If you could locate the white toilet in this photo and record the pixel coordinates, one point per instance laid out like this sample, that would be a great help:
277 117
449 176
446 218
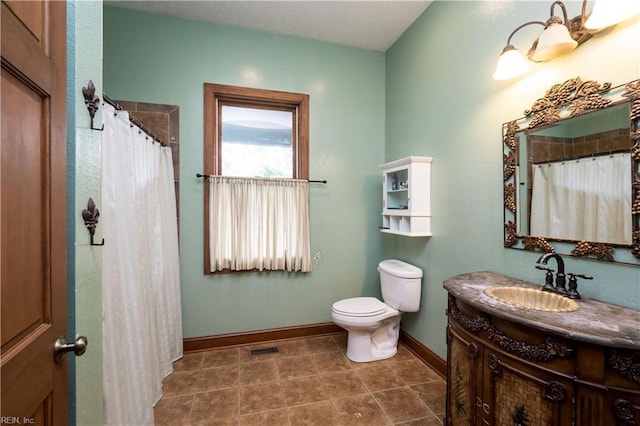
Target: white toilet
374 326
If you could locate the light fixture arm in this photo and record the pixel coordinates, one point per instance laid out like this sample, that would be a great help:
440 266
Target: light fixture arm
583 14
576 26
522 26
554 19
578 29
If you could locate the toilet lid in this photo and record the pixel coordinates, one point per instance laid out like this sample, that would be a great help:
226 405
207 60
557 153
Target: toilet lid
360 307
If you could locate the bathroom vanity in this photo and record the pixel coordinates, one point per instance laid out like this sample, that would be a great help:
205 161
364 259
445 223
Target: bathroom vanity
514 365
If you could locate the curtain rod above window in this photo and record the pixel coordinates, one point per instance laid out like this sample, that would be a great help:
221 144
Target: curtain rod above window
199 175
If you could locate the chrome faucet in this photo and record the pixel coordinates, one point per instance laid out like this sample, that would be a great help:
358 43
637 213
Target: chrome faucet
561 281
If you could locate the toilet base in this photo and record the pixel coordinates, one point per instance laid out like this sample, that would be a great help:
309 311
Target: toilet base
366 345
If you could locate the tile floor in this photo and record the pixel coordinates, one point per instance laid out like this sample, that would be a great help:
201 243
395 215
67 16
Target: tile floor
309 382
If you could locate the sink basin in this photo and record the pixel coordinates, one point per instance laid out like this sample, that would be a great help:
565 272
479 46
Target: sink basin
531 298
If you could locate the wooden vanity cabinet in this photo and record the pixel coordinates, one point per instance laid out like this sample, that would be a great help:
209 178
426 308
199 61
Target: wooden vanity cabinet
494 378
509 366
502 373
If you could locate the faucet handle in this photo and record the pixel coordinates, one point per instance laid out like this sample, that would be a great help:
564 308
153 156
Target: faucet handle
583 276
572 293
548 281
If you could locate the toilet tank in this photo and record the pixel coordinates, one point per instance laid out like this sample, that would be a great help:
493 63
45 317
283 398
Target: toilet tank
401 284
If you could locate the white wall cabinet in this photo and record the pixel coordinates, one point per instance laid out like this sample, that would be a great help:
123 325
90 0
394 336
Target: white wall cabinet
406 197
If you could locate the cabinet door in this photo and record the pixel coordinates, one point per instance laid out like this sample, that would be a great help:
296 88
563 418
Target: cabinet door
598 405
521 394
464 358
590 402
622 378
396 191
622 408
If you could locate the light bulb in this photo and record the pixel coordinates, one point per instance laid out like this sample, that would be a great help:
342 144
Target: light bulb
511 64
606 13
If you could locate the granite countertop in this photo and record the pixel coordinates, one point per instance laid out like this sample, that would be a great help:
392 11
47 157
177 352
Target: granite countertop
594 321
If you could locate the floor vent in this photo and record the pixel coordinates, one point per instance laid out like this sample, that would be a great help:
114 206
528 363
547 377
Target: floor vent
262 351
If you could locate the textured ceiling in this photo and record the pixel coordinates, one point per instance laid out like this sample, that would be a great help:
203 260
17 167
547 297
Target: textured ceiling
367 24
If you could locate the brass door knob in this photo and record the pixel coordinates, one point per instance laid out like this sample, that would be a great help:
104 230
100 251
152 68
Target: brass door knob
61 347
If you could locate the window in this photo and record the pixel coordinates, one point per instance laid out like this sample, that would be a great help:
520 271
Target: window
255 133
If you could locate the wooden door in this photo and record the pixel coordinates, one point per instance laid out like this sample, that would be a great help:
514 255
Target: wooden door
33 211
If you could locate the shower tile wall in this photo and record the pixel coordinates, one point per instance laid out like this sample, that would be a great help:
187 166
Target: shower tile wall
543 149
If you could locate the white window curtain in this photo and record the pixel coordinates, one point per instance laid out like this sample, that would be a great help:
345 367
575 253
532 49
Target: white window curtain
141 308
259 224
583 200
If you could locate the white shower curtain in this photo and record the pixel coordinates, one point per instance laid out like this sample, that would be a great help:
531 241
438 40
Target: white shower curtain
141 309
587 199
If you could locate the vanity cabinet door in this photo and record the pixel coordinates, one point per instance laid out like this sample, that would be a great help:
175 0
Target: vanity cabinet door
598 405
607 386
590 405
521 394
623 408
622 378
464 378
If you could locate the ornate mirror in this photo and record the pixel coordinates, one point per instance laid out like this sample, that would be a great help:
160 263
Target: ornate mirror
572 173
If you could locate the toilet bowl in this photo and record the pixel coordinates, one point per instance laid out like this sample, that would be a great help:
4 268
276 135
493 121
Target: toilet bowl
374 326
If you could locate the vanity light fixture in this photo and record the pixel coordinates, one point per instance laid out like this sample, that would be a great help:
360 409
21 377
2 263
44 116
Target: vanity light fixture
561 35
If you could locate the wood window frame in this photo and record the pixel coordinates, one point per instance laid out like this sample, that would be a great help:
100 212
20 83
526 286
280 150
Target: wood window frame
216 95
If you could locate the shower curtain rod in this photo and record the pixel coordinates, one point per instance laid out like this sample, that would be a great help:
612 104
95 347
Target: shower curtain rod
199 175
92 101
132 119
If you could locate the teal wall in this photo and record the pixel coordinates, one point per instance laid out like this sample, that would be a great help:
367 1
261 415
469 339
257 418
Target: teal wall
431 94
84 51
152 58
441 101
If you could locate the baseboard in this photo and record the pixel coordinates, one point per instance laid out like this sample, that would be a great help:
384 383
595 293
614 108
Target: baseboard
196 344
425 354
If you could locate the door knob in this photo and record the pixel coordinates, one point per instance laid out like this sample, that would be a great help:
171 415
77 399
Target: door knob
61 347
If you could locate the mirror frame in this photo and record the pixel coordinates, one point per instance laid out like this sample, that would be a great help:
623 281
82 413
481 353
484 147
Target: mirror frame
572 98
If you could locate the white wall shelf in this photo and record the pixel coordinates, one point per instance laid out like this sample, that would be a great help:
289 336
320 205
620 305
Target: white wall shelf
406 197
